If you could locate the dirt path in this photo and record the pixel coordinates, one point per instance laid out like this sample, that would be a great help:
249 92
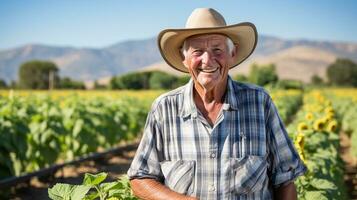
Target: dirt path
115 165
350 176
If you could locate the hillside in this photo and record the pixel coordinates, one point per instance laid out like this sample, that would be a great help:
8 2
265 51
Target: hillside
296 59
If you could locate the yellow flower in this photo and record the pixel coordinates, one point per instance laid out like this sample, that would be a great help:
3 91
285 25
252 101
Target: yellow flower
301 153
319 124
328 103
328 117
329 109
332 126
302 126
299 143
300 139
330 113
309 116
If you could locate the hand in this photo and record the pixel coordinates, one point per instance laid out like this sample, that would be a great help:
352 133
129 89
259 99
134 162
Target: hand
150 189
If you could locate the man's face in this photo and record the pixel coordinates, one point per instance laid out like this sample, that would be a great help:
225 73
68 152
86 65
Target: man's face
207 59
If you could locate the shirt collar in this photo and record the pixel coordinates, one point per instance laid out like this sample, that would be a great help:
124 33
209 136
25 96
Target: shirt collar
231 98
189 107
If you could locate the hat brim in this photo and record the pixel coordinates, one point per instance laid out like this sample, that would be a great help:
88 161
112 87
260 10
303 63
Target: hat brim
170 42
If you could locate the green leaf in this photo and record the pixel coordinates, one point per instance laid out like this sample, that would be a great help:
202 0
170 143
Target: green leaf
77 127
323 184
108 186
60 191
118 193
79 191
91 196
320 195
113 198
17 167
94 179
43 126
45 136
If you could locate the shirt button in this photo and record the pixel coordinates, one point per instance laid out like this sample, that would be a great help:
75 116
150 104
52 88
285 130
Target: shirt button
213 155
212 188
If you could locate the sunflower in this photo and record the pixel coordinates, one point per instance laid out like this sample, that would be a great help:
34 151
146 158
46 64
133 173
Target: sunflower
299 144
329 110
302 126
301 153
309 116
300 139
332 126
329 117
319 124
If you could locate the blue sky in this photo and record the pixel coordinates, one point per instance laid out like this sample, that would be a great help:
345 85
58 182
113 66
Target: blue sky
95 23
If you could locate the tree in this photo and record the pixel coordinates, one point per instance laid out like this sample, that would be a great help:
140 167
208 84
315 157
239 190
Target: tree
342 72
38 74
316 80
240 78
3 84
98 86
182 80
68 83
162 80
263 75
133 80
147 80
289 84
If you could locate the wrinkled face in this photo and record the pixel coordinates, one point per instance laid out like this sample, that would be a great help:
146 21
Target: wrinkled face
207 58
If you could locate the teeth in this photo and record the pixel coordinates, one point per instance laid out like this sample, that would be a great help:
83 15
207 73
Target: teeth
209 71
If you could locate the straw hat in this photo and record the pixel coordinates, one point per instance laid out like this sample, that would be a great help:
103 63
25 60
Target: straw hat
204 21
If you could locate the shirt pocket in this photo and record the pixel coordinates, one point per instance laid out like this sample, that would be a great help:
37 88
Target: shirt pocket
179 175
249 174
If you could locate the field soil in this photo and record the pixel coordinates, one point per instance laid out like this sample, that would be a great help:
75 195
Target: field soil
350 176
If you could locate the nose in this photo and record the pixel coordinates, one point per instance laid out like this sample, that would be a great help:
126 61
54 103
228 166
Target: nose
207 58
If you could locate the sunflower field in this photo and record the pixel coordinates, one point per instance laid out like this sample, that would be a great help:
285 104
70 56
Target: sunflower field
315 135
39 129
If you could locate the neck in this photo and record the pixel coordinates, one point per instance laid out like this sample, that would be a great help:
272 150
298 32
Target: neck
210 102
211 95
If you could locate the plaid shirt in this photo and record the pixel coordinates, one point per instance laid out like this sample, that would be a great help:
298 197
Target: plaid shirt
243 156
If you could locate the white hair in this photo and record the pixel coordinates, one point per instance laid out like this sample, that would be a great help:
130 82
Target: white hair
229 43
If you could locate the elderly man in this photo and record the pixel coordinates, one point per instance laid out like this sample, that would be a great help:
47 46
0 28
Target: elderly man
213 138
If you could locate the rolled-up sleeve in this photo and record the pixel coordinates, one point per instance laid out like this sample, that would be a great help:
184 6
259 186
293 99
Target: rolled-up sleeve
284 161
146 163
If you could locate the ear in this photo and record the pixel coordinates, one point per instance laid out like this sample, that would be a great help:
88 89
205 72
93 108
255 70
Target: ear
184 63
234 52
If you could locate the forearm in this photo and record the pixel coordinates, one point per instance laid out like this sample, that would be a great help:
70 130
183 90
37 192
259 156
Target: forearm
150 189
286 192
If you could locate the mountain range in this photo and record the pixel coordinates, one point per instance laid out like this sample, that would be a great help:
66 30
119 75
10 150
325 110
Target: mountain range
294 59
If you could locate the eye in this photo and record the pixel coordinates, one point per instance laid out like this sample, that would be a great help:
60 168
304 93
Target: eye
197 52
217 51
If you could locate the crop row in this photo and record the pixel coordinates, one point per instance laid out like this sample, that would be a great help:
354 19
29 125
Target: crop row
38 131
345 102
315 135
287 102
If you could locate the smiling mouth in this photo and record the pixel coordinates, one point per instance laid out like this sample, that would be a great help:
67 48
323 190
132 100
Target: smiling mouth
209 70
